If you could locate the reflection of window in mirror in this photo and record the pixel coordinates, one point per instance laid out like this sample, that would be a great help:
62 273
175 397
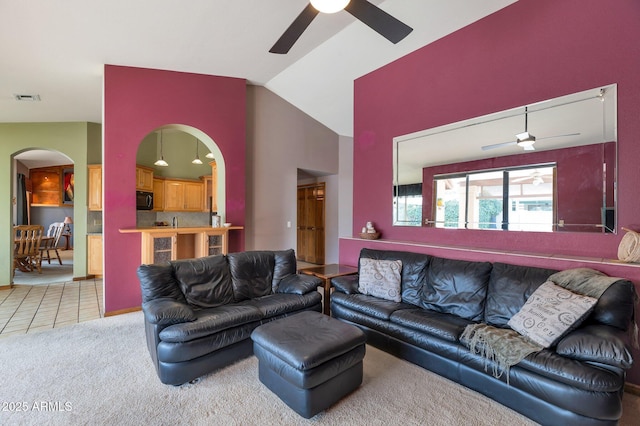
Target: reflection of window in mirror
408 208
518 199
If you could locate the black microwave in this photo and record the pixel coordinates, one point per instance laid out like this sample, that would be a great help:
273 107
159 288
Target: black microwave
144 200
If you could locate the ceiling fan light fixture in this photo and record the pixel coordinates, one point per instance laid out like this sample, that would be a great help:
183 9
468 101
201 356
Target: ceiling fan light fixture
329 6
525 140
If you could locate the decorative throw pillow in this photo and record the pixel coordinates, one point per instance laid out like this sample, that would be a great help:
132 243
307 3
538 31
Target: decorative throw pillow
380 278
550 312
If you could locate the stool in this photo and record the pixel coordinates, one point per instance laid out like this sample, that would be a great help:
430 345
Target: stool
309 360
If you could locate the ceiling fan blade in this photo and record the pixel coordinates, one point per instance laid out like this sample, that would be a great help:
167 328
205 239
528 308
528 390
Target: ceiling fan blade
378 20
559 136
295 30
498 145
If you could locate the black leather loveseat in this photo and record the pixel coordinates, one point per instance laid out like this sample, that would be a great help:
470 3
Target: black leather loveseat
579 380
199 313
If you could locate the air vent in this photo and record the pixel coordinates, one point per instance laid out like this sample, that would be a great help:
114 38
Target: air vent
31 98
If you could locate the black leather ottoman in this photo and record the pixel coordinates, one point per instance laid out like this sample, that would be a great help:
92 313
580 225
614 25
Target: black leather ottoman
309 360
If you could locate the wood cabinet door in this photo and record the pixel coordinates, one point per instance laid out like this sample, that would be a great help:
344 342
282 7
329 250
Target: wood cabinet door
193 196
173 195
144 179
158 194
46 186
95 188
94 254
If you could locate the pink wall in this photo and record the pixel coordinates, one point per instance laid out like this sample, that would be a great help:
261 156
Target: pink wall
530 51
137 101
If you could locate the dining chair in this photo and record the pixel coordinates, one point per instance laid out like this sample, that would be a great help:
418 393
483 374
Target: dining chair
51 243
27 239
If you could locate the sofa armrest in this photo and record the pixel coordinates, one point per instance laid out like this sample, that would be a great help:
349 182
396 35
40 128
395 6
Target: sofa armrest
347 284
597 343
166 311
299 284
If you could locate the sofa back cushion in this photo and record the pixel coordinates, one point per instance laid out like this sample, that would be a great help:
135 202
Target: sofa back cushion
157 281
457 287
615 306
413 274
284 265
205 282
509 288
251 274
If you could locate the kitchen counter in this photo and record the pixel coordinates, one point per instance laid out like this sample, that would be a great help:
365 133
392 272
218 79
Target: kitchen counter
178 229
162 244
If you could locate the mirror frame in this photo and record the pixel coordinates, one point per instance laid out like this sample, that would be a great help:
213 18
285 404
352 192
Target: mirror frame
607 94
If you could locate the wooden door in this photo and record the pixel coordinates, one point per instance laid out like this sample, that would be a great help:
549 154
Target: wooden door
310 232
193 196
95 188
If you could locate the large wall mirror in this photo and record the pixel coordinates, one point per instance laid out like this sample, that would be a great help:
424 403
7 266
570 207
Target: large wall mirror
544 167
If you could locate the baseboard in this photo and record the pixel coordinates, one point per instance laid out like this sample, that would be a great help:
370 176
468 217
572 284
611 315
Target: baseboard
122 311
6 287
632 389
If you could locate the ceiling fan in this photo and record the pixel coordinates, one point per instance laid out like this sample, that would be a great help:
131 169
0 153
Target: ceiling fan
376 18
525 140
535 177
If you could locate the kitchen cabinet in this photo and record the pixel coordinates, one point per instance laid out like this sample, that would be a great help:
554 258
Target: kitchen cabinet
94 255
95 187
183 195
144 178
158 194
46 186
209 189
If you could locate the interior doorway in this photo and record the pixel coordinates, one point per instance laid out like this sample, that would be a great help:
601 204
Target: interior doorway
311 223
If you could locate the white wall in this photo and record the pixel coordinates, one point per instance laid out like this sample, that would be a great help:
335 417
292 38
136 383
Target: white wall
345 187
280 140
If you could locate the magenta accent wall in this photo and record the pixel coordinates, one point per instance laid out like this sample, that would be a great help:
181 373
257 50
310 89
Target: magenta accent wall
137 101
529 51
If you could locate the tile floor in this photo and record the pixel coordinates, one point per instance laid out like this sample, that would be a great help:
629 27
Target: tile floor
26 308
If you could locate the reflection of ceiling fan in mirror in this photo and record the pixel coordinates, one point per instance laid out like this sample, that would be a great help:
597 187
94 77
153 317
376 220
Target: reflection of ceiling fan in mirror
535 178
525 140
370 14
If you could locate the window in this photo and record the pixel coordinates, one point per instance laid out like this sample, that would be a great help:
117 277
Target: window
408 208
516 198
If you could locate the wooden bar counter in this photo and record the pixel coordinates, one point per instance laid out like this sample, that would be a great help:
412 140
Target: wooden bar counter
161 244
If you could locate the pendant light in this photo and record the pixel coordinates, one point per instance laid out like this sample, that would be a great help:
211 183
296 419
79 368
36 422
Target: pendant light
161 161
210 155
197 160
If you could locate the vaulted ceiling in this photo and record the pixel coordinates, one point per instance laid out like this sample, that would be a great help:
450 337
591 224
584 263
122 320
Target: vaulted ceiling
57 49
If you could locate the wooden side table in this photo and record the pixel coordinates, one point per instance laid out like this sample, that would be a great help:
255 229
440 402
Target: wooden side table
67 241
325 273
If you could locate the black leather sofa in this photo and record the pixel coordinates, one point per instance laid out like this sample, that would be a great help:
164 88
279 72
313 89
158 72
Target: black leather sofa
199 313
579 381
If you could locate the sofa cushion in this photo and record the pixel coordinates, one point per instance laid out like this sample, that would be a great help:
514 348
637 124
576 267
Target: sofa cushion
211 321
457 287
369 305
205 282
509 287
284 265
158 281
281 303
380 278
550 312
597 343
251 274
444 326
414 270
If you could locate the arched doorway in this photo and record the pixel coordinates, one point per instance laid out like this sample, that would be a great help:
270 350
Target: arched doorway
43 189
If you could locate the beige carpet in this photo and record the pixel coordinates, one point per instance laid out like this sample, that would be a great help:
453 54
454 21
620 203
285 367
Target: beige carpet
100 373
